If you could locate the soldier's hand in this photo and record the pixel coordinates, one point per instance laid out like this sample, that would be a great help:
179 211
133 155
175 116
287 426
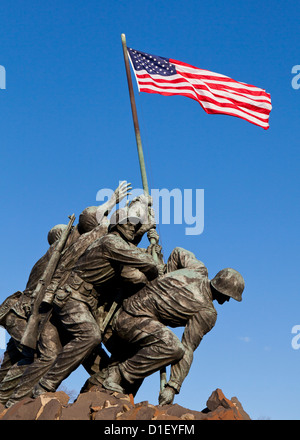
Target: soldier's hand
152 234
122 191
166 396
149 224
153 246
145 227
161 269
156 248
146 199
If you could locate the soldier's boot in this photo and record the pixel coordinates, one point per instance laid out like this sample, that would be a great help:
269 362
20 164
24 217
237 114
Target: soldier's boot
113 380
38 390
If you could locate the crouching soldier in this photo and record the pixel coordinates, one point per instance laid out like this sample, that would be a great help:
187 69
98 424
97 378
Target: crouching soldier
182 297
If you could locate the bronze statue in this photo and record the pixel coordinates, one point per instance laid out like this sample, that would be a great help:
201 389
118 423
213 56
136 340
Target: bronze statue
106 290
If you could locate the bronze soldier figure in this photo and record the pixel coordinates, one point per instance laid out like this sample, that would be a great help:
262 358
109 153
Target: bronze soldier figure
13 317
182 297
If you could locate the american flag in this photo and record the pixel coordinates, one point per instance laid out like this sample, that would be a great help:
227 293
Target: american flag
215 93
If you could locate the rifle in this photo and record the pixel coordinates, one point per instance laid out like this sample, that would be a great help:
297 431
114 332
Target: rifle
30 336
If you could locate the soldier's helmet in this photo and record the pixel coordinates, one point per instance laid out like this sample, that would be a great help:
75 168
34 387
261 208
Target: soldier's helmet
229 282
88 219
55 233
122 216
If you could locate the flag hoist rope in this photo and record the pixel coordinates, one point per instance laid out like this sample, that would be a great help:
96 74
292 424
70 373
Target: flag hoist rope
163 377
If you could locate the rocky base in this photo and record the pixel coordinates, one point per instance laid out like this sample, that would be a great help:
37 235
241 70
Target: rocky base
99 404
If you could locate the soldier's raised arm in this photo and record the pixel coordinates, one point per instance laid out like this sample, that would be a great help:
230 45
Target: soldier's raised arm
93 216
123 190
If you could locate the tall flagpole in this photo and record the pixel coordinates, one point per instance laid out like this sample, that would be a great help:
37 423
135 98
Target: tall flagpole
137 129
135 118
163 375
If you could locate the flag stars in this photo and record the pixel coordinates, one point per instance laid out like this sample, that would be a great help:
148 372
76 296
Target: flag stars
150 63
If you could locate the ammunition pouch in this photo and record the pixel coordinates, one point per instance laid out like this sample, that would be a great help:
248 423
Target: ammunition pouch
50 293
61 296
77 289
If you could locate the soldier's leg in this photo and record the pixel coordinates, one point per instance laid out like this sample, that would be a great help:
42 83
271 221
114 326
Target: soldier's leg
11 356
119 351
79 322
156 346
49 345
11 371
16 358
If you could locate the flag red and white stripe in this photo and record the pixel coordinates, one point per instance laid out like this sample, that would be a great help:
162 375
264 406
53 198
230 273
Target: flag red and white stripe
216 93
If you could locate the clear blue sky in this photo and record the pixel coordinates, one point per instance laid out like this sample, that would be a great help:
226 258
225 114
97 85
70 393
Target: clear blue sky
66 132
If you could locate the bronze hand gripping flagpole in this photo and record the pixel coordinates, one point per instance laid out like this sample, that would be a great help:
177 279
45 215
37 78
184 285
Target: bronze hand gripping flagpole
163 377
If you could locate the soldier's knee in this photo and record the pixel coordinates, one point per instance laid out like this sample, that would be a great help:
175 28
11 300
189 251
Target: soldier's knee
178 352
172 346
174 258
93 337
178 249
175 350
97 339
